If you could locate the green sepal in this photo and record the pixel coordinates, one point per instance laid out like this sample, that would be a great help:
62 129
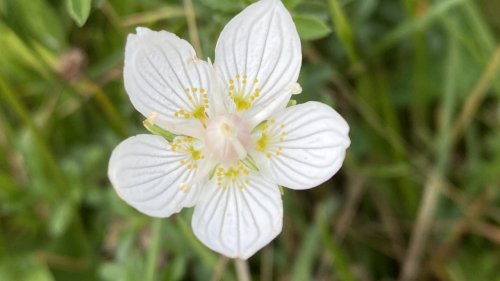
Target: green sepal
212 173
249 162
157 130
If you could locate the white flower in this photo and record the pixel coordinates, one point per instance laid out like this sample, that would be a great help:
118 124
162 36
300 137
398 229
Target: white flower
236 142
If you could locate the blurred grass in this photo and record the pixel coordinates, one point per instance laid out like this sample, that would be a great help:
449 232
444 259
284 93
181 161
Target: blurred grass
417 199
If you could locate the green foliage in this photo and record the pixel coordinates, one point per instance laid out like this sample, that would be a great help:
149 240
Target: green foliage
310 28
417 81
232 6
79 10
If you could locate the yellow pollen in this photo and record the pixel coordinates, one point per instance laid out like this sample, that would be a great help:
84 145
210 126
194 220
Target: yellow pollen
261 144
195 154
241 103
199 112
269 141
185 146
235 175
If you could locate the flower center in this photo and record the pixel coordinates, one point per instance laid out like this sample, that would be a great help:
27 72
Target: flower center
227 138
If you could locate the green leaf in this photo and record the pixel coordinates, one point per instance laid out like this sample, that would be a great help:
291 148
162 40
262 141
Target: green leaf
229 6
61 218
35 20
290 4
310 28
79 10
24 268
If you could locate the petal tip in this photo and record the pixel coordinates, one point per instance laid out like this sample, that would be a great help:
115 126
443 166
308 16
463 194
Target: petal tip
142 30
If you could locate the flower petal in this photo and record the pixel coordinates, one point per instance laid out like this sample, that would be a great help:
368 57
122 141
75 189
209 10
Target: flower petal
258 56
163 75
235 220
303 146
153 178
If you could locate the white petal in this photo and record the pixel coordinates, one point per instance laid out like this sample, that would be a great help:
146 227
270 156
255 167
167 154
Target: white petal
238 221
161 73
305 145
149 176
260 49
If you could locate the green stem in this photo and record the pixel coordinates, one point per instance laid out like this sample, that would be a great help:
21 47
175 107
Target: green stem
343 29
205 255
154 250
242 270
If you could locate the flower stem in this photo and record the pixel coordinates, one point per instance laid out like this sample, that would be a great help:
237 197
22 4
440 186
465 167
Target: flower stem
154 250
193 30
242 270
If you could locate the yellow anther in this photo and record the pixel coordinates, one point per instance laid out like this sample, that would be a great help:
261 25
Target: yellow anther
152 117
199 112
262 142
185 146
242 103
195 154
235 175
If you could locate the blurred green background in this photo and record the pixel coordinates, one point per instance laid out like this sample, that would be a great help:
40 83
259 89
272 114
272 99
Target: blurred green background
417 198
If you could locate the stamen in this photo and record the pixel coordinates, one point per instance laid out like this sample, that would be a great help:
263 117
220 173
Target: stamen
270 138
235 175
198 103
185 145
242 97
